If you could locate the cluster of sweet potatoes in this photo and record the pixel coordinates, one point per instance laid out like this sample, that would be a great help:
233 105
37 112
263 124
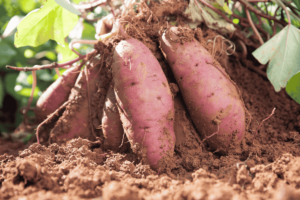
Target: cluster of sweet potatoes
139 106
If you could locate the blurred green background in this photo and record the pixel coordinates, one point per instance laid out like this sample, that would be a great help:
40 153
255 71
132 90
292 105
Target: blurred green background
15 87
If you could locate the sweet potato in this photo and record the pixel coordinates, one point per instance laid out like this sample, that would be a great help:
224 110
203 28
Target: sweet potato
211 96
76 120
111 123
144 102
56 94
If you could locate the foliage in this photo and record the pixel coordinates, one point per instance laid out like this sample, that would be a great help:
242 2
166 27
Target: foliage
283 52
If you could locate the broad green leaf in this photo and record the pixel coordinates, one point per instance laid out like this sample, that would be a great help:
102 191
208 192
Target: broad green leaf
49 22
293 87
65 53
283 52
6 53
50 55
67 5
1 92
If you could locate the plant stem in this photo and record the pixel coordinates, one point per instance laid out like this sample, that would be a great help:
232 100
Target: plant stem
49 66
253 26
215 10
285 9
258 12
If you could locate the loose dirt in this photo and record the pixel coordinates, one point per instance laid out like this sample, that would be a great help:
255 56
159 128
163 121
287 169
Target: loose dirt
264 167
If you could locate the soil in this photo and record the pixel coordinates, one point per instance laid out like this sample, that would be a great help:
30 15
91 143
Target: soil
265 166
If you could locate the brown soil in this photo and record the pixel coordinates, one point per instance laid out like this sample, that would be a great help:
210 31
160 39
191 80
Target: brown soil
265 167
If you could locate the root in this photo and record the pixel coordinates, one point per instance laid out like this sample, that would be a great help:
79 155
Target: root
49 119
80 42
232 46
273 111
215 133
89 102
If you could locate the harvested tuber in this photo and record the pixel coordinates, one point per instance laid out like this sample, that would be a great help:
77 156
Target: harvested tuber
56 94
211 97
144 102
76 120
111 124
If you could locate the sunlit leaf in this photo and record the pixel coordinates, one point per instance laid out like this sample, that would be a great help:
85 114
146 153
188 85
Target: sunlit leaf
6 53
236 21
50 55
49 22
293 87
65 53
283 52
27 5
27 91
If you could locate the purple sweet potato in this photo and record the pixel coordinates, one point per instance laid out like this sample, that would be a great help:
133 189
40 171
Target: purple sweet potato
76 120
144 102
111 123
56 94
211 96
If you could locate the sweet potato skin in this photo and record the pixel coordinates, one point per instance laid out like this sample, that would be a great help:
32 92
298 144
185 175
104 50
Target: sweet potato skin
56 94
111 123
76 121
211 97
144 101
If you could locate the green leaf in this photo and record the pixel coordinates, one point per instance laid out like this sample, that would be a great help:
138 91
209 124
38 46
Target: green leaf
26 92
283 52
65 52
68 6
6 53
89 31
27 5
50 55
293 87
297 3
49 22
1 92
